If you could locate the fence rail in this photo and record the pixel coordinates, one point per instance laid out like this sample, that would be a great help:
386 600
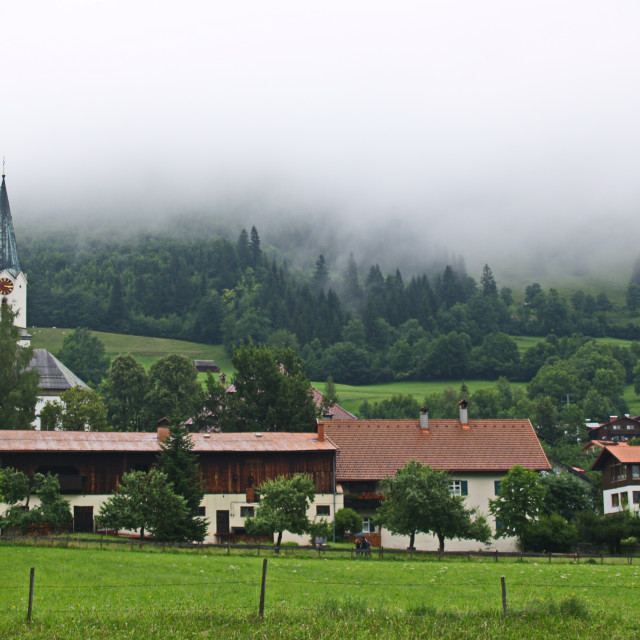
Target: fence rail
289 550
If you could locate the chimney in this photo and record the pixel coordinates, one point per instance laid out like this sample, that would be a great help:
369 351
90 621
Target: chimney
464 418
223 380
320 431
163 433
327 414
424 418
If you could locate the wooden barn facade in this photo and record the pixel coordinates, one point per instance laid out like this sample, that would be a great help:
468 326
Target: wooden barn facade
233 465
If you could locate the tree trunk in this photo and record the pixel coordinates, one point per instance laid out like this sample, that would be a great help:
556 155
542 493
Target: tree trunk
441 540
141 533
279 540
412 540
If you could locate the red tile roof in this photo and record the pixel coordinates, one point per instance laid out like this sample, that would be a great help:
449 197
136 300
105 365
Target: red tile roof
375 449
73 441
621 451
337 412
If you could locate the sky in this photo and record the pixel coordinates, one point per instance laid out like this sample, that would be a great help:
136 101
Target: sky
504 131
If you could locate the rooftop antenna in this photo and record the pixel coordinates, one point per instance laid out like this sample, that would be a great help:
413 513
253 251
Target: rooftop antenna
3 166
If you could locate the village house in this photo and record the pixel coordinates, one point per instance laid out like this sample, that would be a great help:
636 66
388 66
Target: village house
620 466
233 465
616 429
477 453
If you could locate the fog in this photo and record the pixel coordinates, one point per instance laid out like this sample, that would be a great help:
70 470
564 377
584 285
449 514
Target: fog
500 131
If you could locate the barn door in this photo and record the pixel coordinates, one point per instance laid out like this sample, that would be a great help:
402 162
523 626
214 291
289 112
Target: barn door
222 522
83 519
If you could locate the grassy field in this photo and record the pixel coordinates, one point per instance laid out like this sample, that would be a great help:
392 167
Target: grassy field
352 397
145 350
148 350
82 593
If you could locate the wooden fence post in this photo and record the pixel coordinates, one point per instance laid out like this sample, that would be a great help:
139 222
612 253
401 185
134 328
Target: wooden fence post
496 555
263 588
30 607
504 596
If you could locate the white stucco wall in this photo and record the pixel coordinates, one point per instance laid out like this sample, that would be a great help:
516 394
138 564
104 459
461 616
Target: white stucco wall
212 503
628 490
481 489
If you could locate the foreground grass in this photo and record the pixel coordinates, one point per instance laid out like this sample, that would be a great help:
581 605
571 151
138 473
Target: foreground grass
131 594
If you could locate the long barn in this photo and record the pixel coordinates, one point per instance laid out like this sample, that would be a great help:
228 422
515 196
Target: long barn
233 465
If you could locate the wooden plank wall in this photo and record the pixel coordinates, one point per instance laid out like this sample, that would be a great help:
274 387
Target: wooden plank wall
222 472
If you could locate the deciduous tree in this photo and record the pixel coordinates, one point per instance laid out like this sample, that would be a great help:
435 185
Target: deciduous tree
124 392
519 502
84 354
272 391
283 506
83 409
144 501
18 384
419 500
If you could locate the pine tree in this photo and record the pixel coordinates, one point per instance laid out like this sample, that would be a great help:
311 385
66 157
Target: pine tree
320 274
255 252
242 248
178 461
488 283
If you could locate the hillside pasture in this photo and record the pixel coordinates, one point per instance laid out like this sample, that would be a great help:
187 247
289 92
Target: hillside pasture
82 593
147 350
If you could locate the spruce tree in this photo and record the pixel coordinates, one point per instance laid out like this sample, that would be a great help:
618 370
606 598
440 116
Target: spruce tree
178 461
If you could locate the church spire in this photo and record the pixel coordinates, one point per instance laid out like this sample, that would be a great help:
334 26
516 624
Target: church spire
8 247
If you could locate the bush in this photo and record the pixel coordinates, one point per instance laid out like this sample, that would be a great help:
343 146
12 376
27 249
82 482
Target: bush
347 520
551 533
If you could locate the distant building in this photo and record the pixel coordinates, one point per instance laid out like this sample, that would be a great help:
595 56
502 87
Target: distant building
206 366
13 281
620 466
616 429
55 379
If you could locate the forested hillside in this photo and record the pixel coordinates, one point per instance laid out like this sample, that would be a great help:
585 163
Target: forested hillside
358 325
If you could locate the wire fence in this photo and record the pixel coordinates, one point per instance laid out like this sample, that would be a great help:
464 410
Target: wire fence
322 551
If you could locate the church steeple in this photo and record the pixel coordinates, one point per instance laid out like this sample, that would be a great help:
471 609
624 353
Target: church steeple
8 247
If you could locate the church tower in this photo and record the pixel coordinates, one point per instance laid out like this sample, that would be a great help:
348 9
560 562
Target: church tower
13 282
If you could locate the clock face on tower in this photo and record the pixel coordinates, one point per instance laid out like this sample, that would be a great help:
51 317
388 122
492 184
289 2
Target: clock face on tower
6 285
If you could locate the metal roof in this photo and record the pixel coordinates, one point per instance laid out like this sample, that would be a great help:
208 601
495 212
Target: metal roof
54 376
90 441
8 247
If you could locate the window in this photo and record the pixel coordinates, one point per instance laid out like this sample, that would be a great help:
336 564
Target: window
367 525
629 426
635 470
496 487
458 488
618 472
323 510
616 426
246 512
499 524
615 500
636 497
624 499
202 511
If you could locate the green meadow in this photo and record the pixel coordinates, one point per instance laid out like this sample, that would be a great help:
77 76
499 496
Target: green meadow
84 593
